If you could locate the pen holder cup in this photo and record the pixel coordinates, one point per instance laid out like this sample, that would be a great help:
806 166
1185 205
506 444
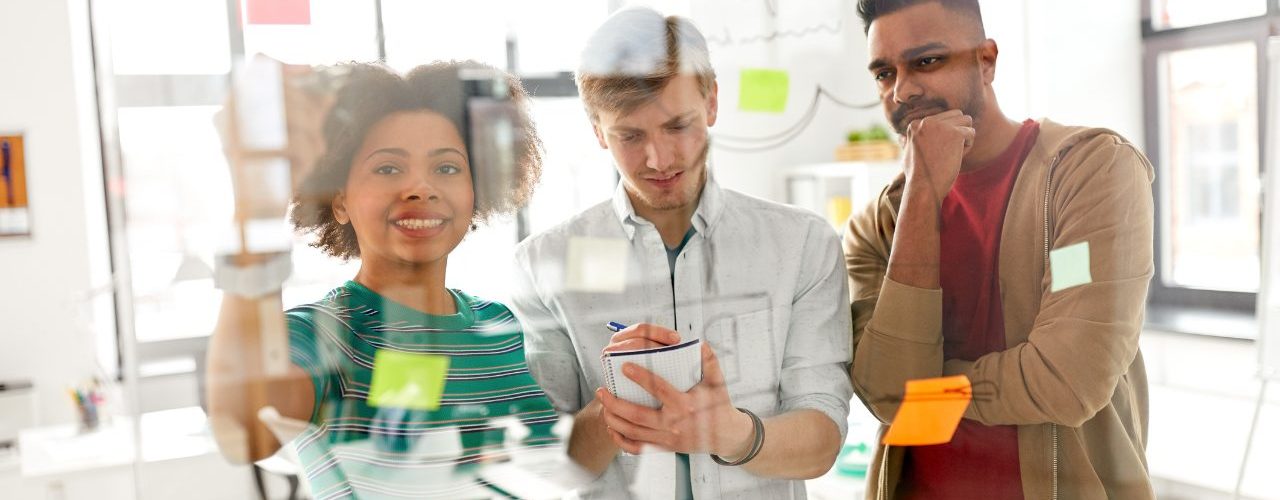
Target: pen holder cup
89 418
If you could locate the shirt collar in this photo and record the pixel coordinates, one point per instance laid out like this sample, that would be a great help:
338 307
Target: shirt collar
710 207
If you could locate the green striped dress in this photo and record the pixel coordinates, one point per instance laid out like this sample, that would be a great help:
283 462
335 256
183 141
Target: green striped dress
354 450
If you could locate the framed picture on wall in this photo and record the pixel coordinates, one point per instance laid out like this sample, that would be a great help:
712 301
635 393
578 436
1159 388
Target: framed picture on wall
15 213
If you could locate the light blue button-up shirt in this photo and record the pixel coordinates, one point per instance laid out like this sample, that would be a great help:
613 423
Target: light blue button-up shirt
763 283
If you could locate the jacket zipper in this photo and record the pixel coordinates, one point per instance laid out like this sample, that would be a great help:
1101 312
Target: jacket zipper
884 466
1053 428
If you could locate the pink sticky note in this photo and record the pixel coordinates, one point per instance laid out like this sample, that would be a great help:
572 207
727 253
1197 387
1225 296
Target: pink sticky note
278 11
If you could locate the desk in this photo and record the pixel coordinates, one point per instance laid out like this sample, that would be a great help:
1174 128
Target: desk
167 435
178 460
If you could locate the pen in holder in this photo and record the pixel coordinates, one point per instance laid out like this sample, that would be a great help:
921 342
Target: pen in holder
87 401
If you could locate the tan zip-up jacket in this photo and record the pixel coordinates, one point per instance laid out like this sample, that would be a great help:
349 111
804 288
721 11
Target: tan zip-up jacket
1072 379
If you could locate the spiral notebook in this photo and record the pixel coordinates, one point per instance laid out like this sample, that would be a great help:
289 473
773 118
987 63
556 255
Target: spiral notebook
680 365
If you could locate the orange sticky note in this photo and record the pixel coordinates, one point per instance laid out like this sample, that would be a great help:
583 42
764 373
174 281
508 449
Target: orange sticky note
930 411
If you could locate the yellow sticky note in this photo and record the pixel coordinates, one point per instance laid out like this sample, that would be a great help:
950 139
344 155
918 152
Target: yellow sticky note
1070 266
763 90
930 412
407 380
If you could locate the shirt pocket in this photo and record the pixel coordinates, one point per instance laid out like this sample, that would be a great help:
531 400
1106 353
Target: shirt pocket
749 357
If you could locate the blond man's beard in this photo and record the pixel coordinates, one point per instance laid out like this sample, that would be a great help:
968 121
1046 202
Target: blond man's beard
679 200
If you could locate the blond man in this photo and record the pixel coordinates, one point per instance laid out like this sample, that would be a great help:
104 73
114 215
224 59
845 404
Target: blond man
761 284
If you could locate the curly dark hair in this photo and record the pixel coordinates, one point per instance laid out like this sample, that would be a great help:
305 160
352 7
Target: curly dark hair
505 164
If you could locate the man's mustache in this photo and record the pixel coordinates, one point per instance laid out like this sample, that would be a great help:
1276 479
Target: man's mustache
899 115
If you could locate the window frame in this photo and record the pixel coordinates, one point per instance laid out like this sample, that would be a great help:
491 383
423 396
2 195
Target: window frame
1156 43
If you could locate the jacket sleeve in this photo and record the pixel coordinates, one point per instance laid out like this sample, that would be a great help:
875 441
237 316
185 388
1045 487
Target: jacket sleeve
1085 337
897 329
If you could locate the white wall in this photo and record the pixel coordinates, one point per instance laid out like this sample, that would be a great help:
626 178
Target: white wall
1084 63
1073 62
47 93
835 61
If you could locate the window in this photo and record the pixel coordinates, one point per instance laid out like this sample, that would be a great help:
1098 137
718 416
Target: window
177 189
577 172
417 32
1205 63
546 51
1211 159
339 30
1170 14
162 37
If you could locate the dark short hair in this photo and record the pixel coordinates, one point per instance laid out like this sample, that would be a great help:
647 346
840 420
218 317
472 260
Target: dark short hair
870 10
371 92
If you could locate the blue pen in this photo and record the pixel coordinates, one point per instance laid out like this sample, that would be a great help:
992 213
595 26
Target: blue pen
615 326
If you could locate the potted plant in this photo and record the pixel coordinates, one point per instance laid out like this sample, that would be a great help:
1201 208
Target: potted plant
870 144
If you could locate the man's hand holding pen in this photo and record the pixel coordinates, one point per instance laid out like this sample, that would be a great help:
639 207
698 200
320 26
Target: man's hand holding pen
701 420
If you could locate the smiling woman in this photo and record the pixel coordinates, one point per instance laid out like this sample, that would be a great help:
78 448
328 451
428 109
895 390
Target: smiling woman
436 92
408 195
399 378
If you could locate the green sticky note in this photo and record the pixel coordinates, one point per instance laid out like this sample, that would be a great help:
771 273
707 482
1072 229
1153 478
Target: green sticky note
764 90
1070 266
407 380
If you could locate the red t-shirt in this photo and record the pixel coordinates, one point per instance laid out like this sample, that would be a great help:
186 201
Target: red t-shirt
980 461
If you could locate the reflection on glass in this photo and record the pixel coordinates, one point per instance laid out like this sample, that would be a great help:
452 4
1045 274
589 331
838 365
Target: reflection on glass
163 37
1210 141
339 31
1167 14
384 427
543 50
578 173
178 200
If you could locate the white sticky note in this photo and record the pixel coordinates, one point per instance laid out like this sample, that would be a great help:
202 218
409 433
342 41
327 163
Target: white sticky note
655 474
1070 266
596 265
